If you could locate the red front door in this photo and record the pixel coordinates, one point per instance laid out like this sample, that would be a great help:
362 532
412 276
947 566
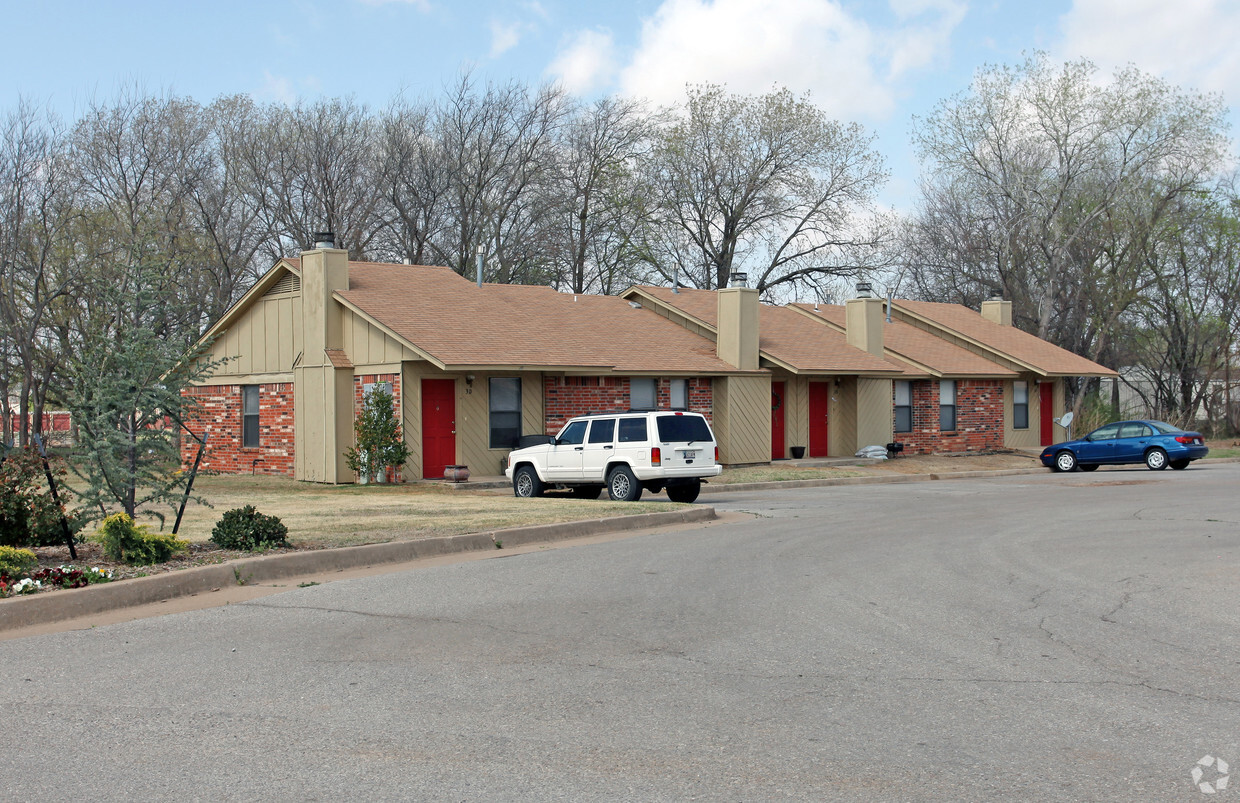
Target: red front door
819 404
438 426
777 421
1047 405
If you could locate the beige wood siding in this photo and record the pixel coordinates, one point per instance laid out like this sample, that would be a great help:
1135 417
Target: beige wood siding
1031 436
796 409
742 419
874 414
264 340
367 344
842 433
411 417
322 423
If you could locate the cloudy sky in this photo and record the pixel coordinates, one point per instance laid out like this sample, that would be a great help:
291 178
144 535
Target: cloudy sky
877 62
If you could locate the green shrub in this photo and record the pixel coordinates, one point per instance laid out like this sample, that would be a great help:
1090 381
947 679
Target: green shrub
14 562
246 528
136 545
28 514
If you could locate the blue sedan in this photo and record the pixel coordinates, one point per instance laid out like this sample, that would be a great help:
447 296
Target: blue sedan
1154 443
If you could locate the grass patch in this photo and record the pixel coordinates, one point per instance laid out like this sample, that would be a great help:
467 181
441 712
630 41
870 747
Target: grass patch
346 515
732 476
1230 451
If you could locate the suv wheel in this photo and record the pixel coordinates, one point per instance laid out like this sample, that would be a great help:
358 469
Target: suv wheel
684 492
525 483
622 486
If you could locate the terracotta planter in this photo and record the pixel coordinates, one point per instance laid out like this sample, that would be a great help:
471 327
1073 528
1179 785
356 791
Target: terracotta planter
456 473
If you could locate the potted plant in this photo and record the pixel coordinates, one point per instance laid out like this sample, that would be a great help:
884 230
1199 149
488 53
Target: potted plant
378 441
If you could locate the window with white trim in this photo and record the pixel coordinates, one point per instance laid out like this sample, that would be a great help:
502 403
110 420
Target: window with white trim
504 407
947 405
1020 404
642 395
680 394
903 405
249 416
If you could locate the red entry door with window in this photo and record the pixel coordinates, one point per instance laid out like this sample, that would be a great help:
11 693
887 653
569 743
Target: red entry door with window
1047 406
777 421
819 405
438 426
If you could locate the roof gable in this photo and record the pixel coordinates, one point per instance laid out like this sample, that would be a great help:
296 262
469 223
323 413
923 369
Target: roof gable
785 337
933 354
455 323
1015 345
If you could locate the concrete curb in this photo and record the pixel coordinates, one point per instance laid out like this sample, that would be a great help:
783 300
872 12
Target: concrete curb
56 606
879 479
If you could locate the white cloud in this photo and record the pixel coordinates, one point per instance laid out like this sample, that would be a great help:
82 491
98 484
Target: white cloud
1190 42
276 88
504 37
814 45
586 63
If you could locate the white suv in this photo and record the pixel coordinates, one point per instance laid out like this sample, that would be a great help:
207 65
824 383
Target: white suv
624 452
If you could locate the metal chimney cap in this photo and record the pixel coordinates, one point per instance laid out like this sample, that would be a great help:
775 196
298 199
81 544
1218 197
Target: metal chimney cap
324 239
864 290
738 280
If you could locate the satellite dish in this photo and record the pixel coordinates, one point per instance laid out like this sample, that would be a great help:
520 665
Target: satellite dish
1066 419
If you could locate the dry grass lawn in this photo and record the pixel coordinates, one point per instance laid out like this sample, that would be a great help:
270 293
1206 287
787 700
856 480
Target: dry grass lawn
346 515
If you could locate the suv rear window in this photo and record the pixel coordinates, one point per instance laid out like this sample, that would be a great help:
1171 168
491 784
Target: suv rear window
683 429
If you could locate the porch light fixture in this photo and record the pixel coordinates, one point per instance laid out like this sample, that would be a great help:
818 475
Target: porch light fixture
469 379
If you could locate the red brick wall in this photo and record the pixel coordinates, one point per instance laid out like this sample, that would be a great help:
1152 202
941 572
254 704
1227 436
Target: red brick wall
979 418
362 380
568 396
218 414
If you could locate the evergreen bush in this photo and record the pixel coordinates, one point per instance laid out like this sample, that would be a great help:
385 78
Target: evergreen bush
136 545
28 514
246 528
377 435
15 562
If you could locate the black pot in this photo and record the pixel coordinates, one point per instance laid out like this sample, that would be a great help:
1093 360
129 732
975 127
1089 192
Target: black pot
797 452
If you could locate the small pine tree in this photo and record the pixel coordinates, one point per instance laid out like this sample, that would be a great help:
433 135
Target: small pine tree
378 437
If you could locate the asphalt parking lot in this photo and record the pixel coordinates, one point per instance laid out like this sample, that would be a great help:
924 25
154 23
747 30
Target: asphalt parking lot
1048 637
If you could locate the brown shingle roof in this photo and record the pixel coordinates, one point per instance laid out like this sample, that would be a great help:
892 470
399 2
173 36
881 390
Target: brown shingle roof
457 323
1006 341
920 347
785 336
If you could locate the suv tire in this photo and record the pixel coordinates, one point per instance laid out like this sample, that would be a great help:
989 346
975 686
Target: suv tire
622 486
526 484
685 492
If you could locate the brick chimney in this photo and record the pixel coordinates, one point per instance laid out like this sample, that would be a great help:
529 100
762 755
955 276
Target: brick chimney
998 311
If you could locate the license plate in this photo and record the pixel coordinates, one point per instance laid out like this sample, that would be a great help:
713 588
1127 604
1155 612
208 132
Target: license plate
690 454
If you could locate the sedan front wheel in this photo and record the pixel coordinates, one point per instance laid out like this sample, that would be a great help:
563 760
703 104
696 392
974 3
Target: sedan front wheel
1065 461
